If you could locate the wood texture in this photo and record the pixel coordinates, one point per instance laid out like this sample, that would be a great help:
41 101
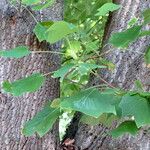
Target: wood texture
16 30
129 67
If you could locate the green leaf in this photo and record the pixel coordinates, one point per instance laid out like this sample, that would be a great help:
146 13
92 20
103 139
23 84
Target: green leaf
42 122
59 30
40 30
125 127
31 2
147 56
132 22
106 8
47 4
28 84
84 68
146 15
91 102
105 119
138 85
136 106
17 52
73 49
145 33
62 72
123 39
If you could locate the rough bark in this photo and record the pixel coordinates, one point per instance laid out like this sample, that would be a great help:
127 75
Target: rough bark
129 67
16 29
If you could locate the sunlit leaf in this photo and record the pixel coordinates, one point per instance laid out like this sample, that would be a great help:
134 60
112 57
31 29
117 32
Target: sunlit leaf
106 8
59 30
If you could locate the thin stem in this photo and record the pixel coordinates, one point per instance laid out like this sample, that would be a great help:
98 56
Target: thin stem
53 52
47 74
30 13
97 75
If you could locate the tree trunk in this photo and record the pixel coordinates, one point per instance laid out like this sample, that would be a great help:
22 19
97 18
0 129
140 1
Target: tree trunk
129 67
15 30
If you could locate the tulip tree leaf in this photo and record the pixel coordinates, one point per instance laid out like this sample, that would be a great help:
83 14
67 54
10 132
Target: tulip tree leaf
59 30
42 122
28 84
41 28
125 127
137 106
106 8
84 68
63 71
123 39
90 102
17 52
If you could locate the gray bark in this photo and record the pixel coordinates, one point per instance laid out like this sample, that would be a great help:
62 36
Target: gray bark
16 30
129 67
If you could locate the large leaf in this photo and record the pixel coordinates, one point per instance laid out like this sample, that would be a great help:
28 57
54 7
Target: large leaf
59 30
137 106
146 15
123 39
90 102
106 8
17 52
62 72
28 84
147 56
125 127
41 28
42 122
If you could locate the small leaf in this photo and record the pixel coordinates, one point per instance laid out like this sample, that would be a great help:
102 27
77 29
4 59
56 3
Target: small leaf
28 84
125 127
73 49
136 106
145 33
146 15
91 102
138 85
123 39
106 8
17 52
132 22
31 2
84 68
147 56
63 71
59 30
48 3
42 122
